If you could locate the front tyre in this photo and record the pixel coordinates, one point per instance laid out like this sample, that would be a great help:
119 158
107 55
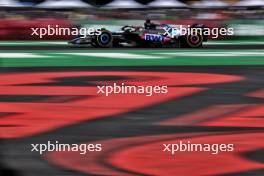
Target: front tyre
104 40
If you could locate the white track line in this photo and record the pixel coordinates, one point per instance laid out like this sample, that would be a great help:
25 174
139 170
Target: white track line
117 55
215 54
233 43
21 55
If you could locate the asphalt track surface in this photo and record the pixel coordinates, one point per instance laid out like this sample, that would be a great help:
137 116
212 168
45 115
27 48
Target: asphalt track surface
206 104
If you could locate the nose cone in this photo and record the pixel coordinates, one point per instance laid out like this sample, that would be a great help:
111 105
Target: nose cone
74 41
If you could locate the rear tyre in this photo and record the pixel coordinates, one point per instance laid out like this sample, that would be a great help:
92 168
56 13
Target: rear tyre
194 41
191 41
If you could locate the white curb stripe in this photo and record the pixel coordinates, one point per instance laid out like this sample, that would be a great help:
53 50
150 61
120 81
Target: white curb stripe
117 55
233 43
215 54
21 55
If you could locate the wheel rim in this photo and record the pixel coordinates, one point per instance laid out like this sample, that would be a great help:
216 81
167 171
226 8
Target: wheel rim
104 38
195 40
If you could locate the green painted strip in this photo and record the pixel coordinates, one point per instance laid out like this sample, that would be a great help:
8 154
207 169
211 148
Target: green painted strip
142 58
134 51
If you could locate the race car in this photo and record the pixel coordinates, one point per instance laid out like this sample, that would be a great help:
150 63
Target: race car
148 36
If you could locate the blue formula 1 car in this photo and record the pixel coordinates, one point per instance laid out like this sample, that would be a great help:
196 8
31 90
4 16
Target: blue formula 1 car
148 36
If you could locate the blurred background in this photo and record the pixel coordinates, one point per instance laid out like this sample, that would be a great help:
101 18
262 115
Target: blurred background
18 16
